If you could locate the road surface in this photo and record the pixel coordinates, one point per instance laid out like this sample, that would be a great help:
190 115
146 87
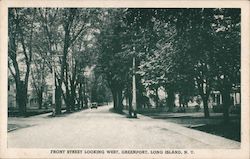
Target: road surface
102 129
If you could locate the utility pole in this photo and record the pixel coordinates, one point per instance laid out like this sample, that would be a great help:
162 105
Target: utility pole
134 104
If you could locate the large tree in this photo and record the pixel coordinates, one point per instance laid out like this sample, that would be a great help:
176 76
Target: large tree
227 53
195 33
112 61
20 50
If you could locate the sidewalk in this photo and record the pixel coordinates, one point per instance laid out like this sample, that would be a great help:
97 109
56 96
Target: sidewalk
206 138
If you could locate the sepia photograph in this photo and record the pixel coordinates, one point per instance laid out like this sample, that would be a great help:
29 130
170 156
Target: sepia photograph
130 82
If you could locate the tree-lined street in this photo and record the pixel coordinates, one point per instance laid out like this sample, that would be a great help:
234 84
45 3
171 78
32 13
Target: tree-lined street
142 60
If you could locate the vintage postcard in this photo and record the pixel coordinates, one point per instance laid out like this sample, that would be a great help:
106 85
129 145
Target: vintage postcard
124 79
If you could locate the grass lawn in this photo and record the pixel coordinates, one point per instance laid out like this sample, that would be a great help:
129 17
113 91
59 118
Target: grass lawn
29 112
230 130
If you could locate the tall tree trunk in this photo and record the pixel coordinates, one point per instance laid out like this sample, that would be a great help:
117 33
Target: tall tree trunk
204 90
81 101
68 95
205 105
84 94
117 101
21 86
21 98
130 104
114 95
40 99
170 99
73 98
85 101
226 104
73 84
67 101
63 65
156 98
120 99
58 100
117 98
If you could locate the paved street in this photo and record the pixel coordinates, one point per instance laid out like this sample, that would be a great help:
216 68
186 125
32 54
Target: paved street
100 128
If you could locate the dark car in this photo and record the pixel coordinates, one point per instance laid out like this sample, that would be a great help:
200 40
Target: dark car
93 105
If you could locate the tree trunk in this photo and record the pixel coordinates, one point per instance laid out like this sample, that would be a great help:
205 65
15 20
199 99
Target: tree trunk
67 100
72 98
21 98
117 98
73 103
21 86
63 67
73 84
130 104
114 95
78 104
170 100
84 94
120 99
81 95
205 105
58 101
85 100
226 104
156 98
40 99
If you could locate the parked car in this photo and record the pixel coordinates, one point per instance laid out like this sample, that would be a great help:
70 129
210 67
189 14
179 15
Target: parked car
94 105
